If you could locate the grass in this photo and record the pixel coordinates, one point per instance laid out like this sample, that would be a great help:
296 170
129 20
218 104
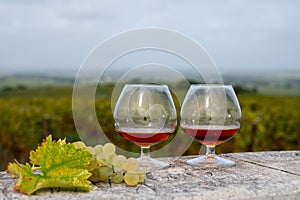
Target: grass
280 90
22 108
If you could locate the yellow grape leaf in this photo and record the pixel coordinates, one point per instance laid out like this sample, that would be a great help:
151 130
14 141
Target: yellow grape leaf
62 166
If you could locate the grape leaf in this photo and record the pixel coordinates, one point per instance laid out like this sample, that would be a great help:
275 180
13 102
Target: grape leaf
62 166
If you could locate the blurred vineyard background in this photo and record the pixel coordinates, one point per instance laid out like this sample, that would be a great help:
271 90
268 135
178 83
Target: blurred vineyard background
30 111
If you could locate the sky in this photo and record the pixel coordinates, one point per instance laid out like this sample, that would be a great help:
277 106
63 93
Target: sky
239 35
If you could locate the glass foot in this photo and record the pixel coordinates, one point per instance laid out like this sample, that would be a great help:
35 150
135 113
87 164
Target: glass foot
148 164
210 161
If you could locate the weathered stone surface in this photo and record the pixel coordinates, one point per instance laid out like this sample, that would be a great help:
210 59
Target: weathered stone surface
259 175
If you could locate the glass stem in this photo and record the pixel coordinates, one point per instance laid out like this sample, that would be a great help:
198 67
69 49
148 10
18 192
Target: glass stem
145 152
210 152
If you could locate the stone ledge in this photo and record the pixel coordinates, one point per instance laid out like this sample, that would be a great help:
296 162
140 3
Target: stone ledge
257 175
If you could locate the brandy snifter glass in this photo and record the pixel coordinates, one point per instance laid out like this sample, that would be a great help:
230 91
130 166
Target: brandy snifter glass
210 114
145 114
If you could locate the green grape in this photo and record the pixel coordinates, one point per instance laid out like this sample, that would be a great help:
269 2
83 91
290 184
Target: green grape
131 178
100 156
117 177
112 156
119 162
105 172
109 148
101 159
101 173
91 150
92 164
94 177
105 159
132 164
109 159
79 144
98 149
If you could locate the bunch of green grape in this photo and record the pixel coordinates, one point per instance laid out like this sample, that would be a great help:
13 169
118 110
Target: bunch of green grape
107 165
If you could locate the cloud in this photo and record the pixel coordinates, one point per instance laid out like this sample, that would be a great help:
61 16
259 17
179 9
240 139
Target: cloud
235 33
